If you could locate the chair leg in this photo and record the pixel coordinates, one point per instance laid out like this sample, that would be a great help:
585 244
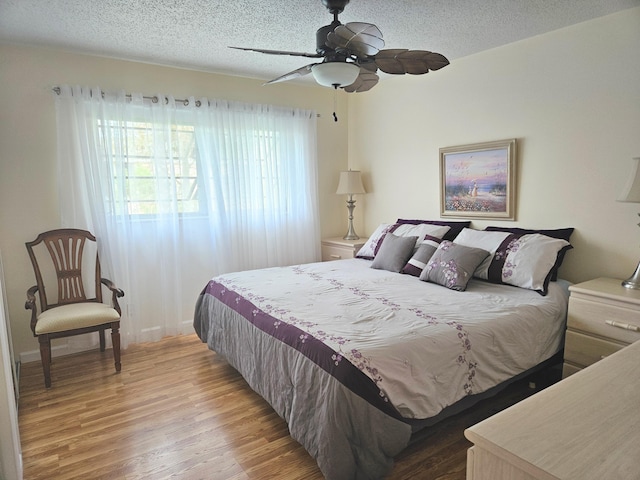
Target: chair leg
102 340
45 356
115 341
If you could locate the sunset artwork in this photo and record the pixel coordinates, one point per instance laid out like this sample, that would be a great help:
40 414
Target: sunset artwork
477 182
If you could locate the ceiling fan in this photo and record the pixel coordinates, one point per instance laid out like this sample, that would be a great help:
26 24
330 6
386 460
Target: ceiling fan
351 55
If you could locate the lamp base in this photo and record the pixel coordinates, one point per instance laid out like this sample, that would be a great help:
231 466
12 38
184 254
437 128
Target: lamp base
634 280
351 233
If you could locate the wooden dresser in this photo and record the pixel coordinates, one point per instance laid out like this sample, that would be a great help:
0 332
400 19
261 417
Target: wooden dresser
585 427
337 248
603 317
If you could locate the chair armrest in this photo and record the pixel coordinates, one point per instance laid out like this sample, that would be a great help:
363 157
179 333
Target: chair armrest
111 286
30 304
116 293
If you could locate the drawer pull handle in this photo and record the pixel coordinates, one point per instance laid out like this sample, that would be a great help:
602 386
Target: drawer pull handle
625 326
336 257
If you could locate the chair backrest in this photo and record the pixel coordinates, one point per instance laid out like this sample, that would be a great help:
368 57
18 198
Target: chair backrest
72 253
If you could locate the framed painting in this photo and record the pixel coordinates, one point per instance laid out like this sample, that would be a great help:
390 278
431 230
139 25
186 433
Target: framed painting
479 180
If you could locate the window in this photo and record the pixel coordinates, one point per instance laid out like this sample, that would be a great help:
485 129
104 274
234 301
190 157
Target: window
243 176
142 185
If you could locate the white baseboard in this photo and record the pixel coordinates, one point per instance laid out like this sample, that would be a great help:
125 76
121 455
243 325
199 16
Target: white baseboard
186 327
56 351
152 334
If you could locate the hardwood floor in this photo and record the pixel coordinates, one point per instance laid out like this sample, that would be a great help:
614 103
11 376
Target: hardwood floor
178 410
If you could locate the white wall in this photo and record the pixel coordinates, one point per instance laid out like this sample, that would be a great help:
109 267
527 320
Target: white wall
570 97
28 186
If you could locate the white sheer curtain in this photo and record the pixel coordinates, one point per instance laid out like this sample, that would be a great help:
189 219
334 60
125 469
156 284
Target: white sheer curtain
177 194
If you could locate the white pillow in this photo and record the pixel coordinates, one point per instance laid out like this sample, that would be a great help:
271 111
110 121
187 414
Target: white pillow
489 241
528 262
421 230
368 250
515 259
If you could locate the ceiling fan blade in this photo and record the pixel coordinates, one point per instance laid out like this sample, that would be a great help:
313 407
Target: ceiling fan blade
436 61
360 39
368 64
280 52
415 62
365 81
300 72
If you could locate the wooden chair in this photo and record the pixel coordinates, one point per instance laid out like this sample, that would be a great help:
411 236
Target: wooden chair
74 312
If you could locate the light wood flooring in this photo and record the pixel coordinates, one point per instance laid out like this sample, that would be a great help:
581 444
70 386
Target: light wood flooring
178 410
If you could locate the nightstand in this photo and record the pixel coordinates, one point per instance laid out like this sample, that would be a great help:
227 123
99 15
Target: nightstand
337 248
603 318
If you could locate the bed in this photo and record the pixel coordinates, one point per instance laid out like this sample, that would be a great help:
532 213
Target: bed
357 359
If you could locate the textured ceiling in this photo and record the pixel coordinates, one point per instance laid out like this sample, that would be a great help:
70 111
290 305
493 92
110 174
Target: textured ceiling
195 34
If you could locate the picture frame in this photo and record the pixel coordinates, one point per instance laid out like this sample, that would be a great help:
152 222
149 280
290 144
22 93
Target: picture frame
479 180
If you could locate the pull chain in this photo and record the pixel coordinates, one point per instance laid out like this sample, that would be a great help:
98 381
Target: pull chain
335 101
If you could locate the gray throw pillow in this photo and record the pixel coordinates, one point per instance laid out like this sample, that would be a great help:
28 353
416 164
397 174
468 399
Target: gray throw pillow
452 265
394 253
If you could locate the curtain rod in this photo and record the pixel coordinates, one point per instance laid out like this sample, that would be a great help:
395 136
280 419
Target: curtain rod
155 99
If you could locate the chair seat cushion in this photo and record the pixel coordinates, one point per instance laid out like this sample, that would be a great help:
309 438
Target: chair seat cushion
76 315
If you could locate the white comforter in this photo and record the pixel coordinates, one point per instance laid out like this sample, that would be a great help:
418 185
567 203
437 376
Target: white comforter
424 346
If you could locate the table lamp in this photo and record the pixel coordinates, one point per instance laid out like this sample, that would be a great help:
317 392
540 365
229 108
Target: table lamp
350 184
631 193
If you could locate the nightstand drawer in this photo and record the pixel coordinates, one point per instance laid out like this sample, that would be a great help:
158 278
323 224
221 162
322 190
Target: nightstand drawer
330 252
337 248
591 317
584 350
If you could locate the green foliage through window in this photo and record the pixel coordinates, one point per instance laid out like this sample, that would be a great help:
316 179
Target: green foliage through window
154 171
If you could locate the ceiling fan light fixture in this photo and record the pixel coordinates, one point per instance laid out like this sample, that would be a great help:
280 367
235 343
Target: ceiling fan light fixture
351 55
335 74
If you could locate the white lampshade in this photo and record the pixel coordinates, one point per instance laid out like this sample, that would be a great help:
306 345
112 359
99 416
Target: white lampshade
335 74
350 183
631 191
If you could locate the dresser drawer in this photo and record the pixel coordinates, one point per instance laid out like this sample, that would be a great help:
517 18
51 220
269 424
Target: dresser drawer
584 350
588 316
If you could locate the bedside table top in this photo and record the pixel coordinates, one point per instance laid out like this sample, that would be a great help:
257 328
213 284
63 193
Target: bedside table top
346 243
610 288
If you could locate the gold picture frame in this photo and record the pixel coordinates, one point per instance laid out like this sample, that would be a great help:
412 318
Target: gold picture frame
479 180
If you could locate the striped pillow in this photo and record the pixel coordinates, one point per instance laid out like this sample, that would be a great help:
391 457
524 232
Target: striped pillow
419 260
